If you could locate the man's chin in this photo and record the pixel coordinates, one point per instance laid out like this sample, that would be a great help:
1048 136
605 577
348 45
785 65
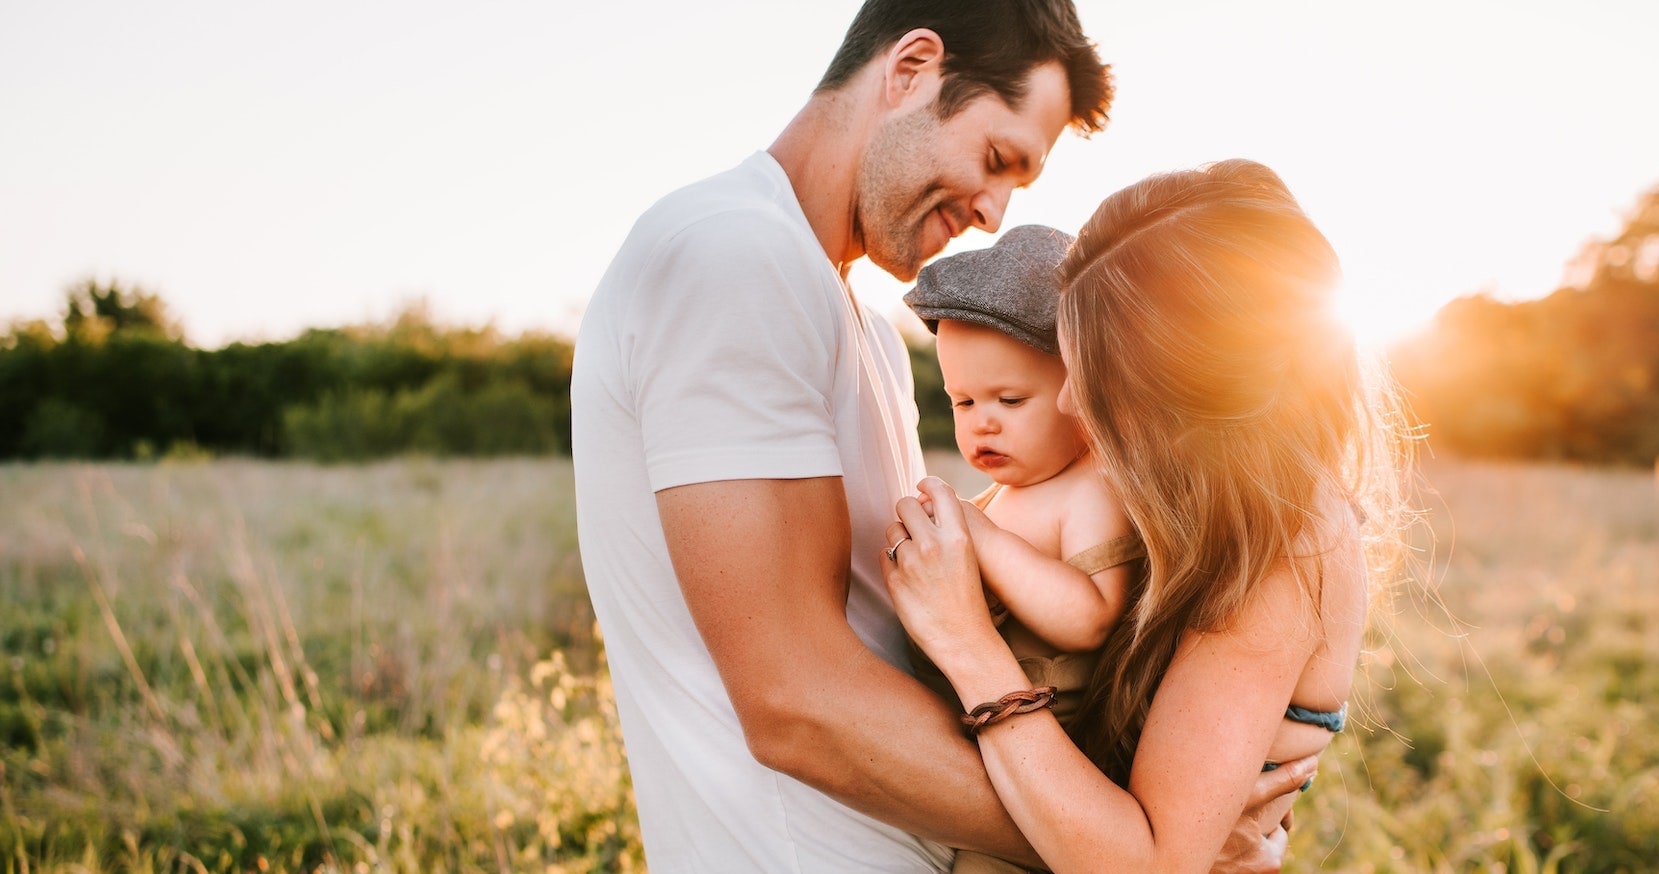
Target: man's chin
902 269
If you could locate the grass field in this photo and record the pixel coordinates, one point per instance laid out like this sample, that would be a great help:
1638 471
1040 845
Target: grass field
248 666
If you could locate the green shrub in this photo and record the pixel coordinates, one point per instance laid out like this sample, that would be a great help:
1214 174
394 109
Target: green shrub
441 418
60 428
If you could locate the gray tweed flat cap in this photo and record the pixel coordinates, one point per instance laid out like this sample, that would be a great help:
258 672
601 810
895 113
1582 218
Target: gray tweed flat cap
1011 286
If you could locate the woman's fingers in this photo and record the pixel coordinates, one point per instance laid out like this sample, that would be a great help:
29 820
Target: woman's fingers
933 576
936 527
913 516
936 508
943 507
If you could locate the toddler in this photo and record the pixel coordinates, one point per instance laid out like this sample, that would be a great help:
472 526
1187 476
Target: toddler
1055 547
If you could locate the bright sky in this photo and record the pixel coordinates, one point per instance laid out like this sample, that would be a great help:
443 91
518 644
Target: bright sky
272 167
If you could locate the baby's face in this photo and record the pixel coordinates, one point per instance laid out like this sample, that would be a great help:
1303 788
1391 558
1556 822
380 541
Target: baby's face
1004 395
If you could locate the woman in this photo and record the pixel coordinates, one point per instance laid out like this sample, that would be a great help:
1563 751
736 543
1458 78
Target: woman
1226 406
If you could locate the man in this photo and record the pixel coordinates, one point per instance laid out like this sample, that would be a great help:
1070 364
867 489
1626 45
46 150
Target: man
743 427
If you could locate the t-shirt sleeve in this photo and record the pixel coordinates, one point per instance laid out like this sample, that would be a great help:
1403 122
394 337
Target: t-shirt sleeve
735 361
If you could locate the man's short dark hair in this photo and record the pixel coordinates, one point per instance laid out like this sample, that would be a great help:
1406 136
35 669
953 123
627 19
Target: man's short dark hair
991 46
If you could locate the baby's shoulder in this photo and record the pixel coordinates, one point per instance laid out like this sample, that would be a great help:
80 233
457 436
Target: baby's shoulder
1078 505
1081 490
1094 518
1050 498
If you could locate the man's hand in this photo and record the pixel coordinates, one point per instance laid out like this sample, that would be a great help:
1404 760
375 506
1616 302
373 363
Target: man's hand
1257 843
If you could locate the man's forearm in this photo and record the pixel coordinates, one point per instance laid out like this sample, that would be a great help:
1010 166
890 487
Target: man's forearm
887 747
763 566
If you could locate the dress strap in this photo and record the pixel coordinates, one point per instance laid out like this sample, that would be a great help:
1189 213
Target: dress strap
983 499
1110 554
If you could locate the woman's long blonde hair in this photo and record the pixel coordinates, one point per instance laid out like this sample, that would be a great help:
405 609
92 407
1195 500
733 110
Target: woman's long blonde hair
1224 400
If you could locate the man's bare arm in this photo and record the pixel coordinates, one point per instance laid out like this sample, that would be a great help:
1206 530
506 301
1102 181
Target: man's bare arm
1258 840
764 567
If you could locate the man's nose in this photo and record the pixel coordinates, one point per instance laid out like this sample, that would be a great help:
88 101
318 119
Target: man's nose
987 207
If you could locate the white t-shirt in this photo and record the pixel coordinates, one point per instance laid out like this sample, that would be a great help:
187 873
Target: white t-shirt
722 345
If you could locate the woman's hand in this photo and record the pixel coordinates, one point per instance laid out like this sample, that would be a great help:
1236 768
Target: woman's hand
934 576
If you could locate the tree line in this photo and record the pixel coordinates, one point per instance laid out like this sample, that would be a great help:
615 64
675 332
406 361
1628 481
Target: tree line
1573 376
117 380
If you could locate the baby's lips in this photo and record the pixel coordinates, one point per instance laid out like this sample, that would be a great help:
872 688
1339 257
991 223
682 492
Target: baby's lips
989 457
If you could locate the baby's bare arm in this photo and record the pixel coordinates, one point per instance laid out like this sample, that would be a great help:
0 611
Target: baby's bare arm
1067 608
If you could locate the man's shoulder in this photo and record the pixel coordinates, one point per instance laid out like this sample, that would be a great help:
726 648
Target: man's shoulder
732 244
737 210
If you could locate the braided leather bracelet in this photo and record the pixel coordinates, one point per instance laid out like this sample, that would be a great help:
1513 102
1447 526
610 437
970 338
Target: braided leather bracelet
1012 704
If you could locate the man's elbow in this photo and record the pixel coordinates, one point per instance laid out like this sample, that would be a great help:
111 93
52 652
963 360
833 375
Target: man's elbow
792 739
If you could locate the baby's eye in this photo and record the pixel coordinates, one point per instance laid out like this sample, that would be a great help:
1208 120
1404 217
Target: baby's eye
1011 402
963 404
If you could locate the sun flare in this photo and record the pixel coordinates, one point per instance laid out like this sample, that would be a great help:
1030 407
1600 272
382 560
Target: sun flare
1379 318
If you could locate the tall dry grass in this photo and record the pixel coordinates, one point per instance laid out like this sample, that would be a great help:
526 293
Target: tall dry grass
241 666
1504 709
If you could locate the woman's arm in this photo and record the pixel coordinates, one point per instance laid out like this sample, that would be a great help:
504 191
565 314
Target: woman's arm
1210 727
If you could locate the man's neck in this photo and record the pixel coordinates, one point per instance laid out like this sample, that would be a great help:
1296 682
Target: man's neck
819 151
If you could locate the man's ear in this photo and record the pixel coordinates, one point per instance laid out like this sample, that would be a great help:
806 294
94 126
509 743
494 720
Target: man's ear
914 69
